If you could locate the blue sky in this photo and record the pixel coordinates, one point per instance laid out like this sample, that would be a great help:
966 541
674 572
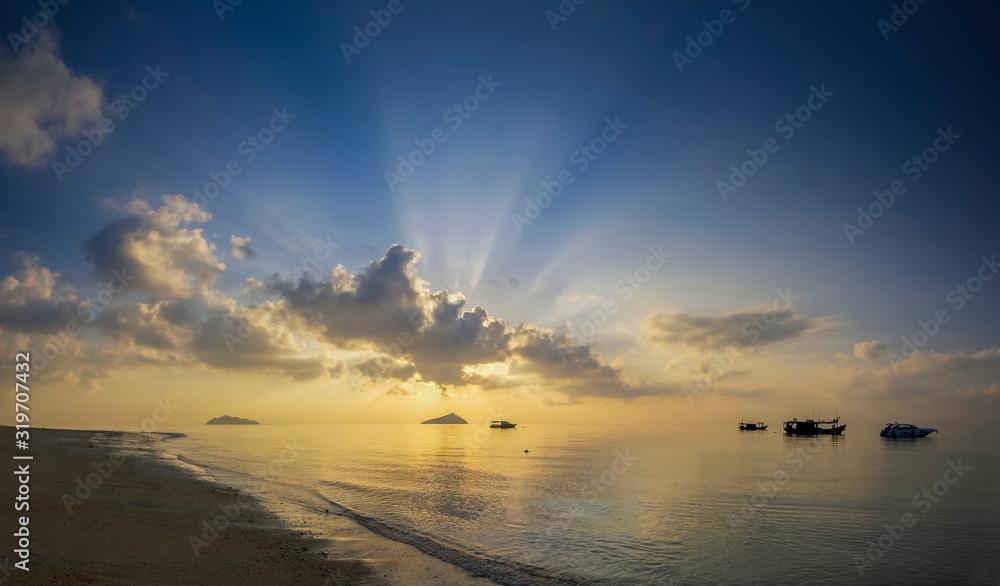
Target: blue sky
323 176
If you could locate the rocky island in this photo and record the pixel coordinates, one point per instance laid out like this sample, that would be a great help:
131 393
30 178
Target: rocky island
227 420
449 418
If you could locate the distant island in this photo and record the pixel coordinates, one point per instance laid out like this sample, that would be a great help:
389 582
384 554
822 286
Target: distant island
227 420
449 418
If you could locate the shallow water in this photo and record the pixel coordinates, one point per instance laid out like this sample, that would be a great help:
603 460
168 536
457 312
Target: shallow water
634 505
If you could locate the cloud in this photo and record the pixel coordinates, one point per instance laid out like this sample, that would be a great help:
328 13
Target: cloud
578 299
380 367
375 306
217 335
42 101
406 334
241 247
751 327
958 374
36 300
387 309
870 350
156 251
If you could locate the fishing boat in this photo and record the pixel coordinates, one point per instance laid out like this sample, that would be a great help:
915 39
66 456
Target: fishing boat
905 430
759 426
502 424
813 427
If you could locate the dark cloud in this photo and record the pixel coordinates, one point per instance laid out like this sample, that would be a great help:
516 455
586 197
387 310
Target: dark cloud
384 367
746 328
36 300
241 342
156 251
193 332
554 356
241 247
376 306
391 310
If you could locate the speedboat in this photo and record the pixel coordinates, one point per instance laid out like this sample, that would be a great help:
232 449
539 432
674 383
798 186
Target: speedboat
502 424
905 430
811 427
759 426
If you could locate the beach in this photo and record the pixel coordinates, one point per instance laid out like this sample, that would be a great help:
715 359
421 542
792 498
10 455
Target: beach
135 519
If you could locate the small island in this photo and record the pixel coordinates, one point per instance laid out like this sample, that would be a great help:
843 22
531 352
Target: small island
449 418
227 420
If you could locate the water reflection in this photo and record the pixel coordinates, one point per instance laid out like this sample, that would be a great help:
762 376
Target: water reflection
833 440
907 444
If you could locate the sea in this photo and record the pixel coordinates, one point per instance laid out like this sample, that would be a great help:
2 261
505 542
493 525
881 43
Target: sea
625 504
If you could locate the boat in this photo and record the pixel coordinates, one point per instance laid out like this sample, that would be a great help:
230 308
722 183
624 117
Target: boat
759 426
502 424
812 427
905 430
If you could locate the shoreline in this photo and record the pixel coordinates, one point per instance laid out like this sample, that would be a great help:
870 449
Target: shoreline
103 515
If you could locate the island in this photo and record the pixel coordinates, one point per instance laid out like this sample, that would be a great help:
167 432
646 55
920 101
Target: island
227 420
449 418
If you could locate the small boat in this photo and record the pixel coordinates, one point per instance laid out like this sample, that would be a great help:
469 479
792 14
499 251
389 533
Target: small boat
759 426
502 424
905 430
812 427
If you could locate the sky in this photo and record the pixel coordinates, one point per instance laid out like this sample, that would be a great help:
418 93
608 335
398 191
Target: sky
554 212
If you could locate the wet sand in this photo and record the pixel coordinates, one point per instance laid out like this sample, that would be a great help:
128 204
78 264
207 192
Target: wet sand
147 522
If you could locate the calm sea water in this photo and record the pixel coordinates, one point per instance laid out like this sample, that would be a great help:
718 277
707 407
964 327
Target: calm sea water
635 505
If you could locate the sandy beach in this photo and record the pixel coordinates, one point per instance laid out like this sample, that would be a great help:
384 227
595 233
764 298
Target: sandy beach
147 522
